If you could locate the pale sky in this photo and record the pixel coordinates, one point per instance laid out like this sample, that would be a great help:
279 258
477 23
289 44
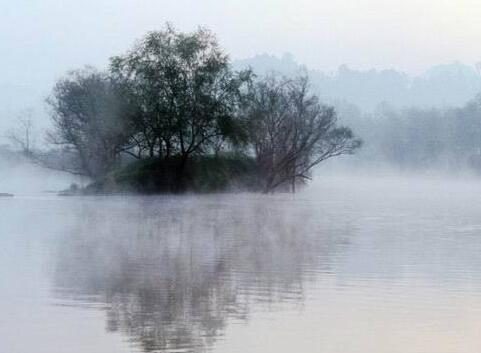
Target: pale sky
42 38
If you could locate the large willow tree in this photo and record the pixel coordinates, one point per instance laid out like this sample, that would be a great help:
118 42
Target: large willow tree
184 93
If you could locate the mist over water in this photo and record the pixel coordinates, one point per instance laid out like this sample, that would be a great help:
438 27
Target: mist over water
347 265
22 177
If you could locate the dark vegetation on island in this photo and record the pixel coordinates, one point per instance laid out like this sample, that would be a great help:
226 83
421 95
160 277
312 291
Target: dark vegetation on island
171 115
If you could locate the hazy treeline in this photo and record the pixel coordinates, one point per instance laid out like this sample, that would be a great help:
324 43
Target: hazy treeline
419 138
175 99
440 86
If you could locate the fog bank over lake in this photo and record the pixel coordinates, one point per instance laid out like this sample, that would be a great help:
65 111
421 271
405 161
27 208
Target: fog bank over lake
20 176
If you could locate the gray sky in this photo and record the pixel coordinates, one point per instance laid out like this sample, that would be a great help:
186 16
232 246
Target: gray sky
41 39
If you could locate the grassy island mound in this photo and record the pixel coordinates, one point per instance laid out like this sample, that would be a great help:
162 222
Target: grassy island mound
202 174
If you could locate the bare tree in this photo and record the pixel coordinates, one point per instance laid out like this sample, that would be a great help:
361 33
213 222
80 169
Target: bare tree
22 136
292 132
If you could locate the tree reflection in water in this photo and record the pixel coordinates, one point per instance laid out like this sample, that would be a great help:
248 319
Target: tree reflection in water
172 272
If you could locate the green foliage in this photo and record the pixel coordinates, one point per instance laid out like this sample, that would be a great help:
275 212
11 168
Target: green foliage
184 91
210 173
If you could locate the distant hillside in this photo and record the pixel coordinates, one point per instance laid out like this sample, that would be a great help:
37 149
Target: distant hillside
442 85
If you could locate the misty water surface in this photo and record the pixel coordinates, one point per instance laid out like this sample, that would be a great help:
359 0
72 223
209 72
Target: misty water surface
348 265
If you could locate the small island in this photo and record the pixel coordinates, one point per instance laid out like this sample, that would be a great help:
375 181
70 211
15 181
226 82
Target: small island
171 115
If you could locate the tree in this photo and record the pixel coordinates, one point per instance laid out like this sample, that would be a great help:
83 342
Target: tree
22 136
89 120
174 98
184 93
291 132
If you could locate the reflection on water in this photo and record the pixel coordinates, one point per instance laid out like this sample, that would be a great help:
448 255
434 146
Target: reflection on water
349 266
173 272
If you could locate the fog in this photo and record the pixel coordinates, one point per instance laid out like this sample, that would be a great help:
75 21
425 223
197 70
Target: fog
365 241
19 176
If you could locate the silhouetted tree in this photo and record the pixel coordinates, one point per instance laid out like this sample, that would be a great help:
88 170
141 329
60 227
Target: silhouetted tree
89 120
184 92
292 132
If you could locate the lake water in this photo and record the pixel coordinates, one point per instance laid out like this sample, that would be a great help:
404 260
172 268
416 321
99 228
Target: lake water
351 265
